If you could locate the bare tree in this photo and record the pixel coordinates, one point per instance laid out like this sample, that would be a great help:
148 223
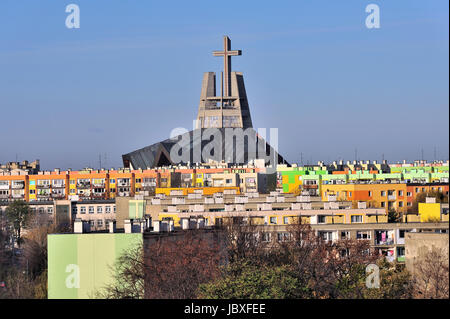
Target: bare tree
431 275
167 267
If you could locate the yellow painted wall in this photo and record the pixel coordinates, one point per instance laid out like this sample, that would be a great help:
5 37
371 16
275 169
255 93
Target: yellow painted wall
429 212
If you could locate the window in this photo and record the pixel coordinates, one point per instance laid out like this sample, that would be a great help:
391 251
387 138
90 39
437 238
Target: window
349 194
108 209
83 210
401 233
273 220
32 191
228 180
363 235
283 236
114 209
50 210
423 189
383 193
112 190
74 210
72 190
73 182
265 237
356 219
345 235
138 180
400 204
370 193
409 204
99 209
417 189
400 193
99 222
112 181
91 209
383 204
326 235
321 219
409 194
285 220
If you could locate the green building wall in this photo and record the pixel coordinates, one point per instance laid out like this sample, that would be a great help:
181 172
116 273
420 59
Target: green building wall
81 264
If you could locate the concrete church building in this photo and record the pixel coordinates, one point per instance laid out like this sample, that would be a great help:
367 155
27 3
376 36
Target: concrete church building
223 130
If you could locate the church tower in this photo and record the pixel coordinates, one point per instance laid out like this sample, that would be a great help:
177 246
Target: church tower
230 108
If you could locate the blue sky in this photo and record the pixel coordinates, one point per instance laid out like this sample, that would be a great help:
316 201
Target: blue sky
133 72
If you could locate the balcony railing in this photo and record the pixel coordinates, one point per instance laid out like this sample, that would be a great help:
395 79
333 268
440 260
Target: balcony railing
384 242
391 197
18 186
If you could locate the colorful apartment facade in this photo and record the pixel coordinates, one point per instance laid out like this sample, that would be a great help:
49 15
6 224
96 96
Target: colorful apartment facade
107 184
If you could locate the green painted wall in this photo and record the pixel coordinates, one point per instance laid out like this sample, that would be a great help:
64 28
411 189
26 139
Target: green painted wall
80 264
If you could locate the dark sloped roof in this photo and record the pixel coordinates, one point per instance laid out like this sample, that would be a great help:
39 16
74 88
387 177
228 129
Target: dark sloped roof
229 149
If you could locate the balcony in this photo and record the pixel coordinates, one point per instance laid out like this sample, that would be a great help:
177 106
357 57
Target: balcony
401 259
59 185
42 186
123 183
384 242
124 194
83 185
18 185
149 184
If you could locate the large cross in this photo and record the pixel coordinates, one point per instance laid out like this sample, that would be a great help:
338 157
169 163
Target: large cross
227 53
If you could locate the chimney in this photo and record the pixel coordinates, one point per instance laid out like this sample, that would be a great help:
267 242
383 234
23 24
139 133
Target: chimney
112 226
78 226
185 223
156 226
200 223
127 225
